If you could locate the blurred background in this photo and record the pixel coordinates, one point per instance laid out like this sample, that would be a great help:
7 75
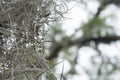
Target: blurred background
87 40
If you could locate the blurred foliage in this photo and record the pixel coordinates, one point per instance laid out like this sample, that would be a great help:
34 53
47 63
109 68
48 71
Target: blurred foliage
97 27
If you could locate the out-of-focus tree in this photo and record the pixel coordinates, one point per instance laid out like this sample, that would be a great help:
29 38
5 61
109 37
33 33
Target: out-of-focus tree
95 32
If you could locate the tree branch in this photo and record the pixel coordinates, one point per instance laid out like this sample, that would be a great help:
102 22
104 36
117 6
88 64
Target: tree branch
57 46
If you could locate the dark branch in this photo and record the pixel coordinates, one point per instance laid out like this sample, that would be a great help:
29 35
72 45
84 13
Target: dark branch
105 3
57 47
107 40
